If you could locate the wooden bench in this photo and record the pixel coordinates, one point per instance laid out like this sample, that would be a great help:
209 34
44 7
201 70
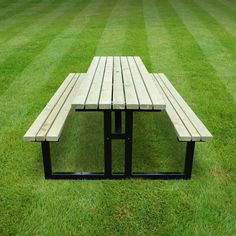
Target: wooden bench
49 124
187 125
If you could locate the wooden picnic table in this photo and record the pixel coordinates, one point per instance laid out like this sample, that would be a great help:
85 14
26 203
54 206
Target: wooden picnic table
119 85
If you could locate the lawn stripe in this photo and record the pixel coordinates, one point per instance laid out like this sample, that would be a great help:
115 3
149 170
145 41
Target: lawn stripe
223 15
221 61
228 4
20 39
115 28
136 26
217 30
38 72
162 53
23 16
28 50
14 7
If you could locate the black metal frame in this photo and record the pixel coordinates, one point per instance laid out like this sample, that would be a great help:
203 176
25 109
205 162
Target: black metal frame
108 136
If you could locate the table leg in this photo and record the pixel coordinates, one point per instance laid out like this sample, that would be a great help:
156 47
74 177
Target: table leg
128 142
107 144
117 122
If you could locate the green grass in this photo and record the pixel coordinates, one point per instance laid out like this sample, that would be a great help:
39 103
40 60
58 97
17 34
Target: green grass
192 42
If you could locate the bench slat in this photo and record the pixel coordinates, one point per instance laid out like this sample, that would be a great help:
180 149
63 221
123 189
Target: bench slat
201 128
142 94
33 130
95 89
192 130
131 100
57 126
41 135
106 92
182 132
118 98
156 98
80 98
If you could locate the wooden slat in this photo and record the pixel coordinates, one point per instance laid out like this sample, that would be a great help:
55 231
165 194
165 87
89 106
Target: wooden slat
80 98
41 135
202 130
156 98
105 101
130 93
58 124
95 89
118 98
192 130
142 94
35 127
181 131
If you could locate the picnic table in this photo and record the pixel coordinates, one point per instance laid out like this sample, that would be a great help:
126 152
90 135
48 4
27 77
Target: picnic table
119 85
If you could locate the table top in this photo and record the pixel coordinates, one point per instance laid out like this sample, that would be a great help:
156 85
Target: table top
118 83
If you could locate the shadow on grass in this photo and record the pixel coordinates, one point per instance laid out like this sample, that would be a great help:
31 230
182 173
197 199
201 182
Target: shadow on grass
155 147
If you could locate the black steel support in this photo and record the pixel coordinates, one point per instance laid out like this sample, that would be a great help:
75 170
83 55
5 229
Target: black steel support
108 137
189 160
118 122
128 142
107 144
46 159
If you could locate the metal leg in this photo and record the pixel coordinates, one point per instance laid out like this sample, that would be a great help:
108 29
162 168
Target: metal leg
128 142
189 160
108 136
107 144
46 159
117 122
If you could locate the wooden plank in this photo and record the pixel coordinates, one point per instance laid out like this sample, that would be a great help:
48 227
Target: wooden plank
118 98
156 98
142 94
54 132
181 131
35 127
130 93
201 128
41 135
192 130
81 96
95 89
105 101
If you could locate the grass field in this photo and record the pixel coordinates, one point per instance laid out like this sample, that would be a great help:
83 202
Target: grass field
192 42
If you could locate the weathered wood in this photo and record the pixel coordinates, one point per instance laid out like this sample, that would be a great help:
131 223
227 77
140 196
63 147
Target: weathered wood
41 135
81 96
145 102
95 89
181 131
38 123
155 96
105 101
54 132
205 135
118 90
192 130
130 93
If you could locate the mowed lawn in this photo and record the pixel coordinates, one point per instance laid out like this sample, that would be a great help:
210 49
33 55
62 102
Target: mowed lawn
192 42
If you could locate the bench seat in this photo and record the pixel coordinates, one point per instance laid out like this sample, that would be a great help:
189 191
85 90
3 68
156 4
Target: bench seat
49 124
187 125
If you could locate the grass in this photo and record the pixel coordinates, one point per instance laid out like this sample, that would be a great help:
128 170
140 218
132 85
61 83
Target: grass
192 42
